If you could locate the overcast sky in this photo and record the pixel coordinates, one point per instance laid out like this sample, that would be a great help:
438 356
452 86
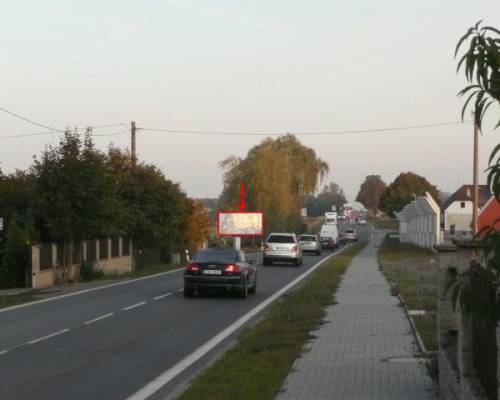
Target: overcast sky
256 66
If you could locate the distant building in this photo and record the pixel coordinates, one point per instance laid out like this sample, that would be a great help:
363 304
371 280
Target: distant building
457 209
489 216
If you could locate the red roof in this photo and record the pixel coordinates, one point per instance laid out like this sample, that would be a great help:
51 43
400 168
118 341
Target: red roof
466 192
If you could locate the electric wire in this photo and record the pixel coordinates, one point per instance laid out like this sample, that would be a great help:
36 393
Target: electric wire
30 120
303 133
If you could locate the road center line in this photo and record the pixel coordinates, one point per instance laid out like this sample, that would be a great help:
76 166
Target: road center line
162 296
161 380
48 336
134 306
98 319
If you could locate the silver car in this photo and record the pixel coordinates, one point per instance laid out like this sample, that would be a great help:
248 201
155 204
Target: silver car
310 244
282 247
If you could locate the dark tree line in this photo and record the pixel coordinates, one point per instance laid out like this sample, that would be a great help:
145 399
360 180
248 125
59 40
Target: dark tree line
75 192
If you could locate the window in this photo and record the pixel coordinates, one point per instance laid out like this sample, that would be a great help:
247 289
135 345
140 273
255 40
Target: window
216 256
281 239
305 238
462 204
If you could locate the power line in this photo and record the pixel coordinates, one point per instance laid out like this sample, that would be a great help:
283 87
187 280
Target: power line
30 120
59 132
302 133
108 126
28 135
114 133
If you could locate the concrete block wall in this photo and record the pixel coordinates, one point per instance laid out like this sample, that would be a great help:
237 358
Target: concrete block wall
457 377
109 265
419 222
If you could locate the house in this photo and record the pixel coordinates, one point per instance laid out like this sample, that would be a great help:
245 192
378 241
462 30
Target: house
489 216
457 209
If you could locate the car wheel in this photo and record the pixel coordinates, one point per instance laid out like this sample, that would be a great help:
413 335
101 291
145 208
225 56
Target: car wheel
253 289
267 261
188 292
244 290
318 253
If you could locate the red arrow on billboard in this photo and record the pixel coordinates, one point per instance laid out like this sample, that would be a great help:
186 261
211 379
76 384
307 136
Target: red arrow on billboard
242 196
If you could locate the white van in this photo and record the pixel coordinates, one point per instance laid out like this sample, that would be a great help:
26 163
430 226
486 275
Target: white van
329 236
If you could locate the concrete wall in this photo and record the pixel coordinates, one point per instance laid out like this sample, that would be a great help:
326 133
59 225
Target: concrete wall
419 222
106 263
457 378
39 278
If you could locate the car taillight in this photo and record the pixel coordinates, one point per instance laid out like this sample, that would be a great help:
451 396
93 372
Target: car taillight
193 267
232 268
294 249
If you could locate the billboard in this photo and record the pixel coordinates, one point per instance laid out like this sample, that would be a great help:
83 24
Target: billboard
237 223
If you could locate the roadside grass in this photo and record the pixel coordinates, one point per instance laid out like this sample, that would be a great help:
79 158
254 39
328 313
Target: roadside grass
384 223
8 301
257 366
413 271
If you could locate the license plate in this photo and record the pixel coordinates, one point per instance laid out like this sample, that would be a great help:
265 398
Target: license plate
212 272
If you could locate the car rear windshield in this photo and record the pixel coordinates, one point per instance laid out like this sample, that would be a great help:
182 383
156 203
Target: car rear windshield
349 231
280 239
307 238
216 256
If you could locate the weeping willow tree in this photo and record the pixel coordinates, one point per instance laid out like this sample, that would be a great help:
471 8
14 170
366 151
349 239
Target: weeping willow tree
278 174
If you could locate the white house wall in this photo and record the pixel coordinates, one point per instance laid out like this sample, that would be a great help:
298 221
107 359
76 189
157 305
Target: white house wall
460 217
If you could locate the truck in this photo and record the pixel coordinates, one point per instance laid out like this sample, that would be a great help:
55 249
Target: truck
330 217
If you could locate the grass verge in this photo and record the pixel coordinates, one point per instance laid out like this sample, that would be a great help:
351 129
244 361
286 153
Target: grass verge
413 271
8 301
257 366
384 223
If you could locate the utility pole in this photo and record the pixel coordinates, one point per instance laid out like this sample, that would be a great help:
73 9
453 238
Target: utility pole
475 178
133 132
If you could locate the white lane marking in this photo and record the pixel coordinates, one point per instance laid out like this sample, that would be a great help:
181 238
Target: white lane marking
3 352
179 290
98 318
161 380
48 336
89 290
134 306
162 296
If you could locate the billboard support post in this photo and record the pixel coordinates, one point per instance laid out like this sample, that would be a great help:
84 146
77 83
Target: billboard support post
237 243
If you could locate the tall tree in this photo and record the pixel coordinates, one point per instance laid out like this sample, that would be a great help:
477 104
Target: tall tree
279 174
405 187
76 192
331 195
370 191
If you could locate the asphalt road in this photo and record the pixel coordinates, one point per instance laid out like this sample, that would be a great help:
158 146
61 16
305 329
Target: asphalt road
109 343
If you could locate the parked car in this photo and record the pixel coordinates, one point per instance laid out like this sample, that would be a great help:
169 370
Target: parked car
361 221
329 236
350 235
310 244
282 247
220 269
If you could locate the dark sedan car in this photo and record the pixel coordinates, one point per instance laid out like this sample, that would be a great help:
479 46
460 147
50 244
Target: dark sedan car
220 269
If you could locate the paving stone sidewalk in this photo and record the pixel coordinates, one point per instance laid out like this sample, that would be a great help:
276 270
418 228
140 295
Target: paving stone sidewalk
366 349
